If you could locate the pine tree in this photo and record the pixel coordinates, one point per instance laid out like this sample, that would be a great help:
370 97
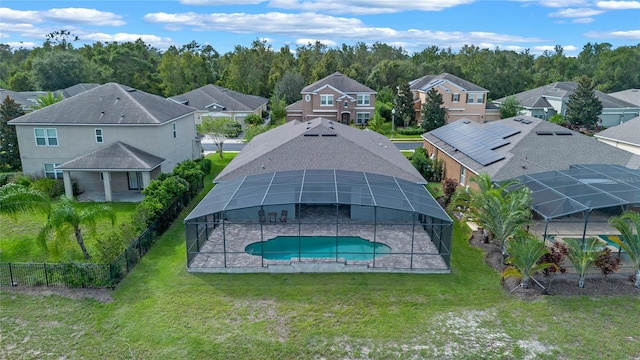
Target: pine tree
583 107
9 151
405 113
433 114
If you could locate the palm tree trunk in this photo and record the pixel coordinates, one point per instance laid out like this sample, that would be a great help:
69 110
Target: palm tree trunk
525 281
637 283
581 282
80 241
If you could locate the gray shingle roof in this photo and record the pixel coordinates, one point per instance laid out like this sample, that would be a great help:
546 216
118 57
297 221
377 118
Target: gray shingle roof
77 89
535 98
628 132
204 97
108 104
528 152
320 144
26 99
428 81
116 156
631 96
340 82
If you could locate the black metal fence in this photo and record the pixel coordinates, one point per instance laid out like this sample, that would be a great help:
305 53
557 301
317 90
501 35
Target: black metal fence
88 275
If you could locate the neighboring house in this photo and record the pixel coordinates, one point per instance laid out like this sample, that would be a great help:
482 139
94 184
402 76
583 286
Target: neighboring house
625 136
109 139
336 97
27 99
545 101
216 101
306 183
461 98
512 147
631 96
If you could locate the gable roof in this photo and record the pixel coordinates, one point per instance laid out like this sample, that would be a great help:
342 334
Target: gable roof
320 144
205 97
340 82
116 156
427 82
536 98
108 104
631 96
627 132
26 99
77 89
536 147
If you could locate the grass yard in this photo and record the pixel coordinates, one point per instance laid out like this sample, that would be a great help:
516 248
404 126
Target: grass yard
160 311
18 244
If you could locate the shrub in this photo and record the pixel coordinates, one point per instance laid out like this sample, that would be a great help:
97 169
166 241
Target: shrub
449 187
24 180
253 120
555 256
8 177
430 169
112 244
606 263
190 171
52 187
205 165
410 131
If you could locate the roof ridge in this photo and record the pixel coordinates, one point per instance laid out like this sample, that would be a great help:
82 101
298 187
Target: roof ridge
128 94
126 148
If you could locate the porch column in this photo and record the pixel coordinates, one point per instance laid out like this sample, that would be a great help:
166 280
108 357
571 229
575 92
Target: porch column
146 179
68 189
106 180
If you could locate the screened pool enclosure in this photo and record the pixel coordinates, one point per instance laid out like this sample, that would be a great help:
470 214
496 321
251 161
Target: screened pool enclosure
318 221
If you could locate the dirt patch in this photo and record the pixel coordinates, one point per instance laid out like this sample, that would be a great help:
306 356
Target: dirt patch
562 284
100 295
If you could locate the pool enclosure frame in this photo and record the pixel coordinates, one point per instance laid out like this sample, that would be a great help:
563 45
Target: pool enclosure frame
382 209
580 190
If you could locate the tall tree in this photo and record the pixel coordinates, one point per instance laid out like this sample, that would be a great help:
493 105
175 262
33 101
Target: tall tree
583 106
217 129
510 107
9 151
433 113
46 100
289 86
64 217
56 70
405 112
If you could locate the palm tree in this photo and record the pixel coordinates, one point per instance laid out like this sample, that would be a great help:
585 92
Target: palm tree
524 252
629 242
46 100
582 254
16 198
64 217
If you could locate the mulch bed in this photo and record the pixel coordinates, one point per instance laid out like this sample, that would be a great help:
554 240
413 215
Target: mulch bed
561 284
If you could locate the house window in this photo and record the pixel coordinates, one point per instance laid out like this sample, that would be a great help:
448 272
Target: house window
363 118
51 172
346 104
175 130
479 98
363 99
326 100
455 97
463 175
99 138
469 98
46 137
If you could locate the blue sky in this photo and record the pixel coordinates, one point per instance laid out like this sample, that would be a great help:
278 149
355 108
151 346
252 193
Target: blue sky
536 25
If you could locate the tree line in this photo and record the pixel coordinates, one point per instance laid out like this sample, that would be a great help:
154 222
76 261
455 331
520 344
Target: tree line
261 70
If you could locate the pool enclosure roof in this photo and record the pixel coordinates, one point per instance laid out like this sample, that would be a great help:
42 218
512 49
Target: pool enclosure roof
319 187
582 188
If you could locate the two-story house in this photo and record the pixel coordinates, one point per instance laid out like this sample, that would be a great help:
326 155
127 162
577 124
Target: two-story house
218 102
336 97
461 98
111 139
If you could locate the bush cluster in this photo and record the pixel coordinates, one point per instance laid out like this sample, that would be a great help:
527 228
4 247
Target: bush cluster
430 169
410 131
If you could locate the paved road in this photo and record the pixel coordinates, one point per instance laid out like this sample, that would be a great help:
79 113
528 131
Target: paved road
234 146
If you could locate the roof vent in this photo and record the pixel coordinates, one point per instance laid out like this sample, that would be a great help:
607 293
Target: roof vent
544 132
525 121
518 119
334 135
311 134
563 133
467 122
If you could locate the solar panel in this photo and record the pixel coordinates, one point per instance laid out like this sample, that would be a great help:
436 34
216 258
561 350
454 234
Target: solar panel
476 143
502 131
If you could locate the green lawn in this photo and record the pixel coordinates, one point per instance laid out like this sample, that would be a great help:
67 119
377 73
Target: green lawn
160 311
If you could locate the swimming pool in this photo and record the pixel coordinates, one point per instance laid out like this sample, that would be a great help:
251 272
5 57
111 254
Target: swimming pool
288 247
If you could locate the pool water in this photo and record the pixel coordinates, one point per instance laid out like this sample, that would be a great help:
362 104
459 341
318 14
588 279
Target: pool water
288 247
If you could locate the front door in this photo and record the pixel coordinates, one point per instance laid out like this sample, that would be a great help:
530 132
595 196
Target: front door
345 118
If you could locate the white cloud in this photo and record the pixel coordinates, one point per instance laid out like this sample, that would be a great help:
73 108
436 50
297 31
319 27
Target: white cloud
576 13
157 41
21 44
83 16
618 5
622 34
221 2
302 42
18 16
586 20
556 3
362 7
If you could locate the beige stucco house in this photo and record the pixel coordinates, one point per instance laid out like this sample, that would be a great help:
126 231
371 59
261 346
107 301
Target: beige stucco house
109 139
219 102
461 98
335 97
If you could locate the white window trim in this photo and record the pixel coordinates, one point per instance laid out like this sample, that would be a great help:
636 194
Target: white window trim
326 99
57 174
479 99
100 137
463 175
364 118
471 98
456 97
174 127
364 99
46 137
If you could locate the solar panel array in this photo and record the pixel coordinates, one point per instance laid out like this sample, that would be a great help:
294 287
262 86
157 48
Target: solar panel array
502 131
476 143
